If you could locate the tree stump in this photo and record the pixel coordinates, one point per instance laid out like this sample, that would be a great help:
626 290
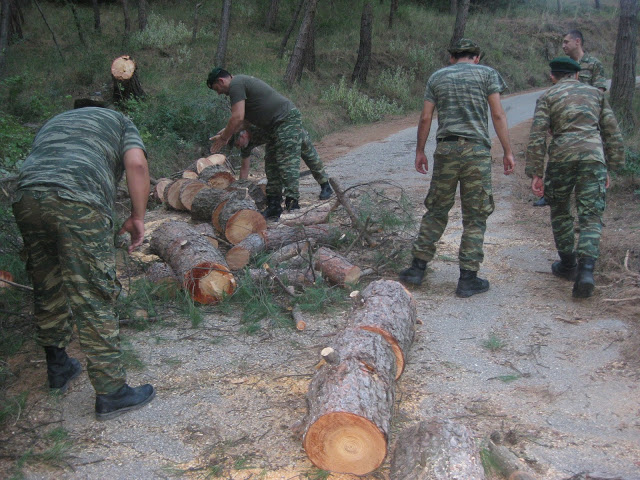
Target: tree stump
172 194
201 267
335 268
188 191
350 405
217 176
436 450
238 218
389 310
126 84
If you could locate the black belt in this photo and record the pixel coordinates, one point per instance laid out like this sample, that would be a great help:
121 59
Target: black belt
451 138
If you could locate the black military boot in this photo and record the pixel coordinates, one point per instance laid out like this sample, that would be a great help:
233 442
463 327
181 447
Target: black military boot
274 209
325 191
566 267
583 288
291 204
61 369
123 400
469 284
415 273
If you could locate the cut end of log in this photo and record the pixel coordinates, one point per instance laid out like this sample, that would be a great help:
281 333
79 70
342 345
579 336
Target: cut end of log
209 282
345 443
123 68
242 224
393 343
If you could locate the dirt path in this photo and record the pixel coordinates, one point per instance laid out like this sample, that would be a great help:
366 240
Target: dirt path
553 383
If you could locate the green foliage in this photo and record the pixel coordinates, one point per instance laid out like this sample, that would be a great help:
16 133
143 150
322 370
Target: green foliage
19 100
320 298
386 213
161 32
15 141
360 107
632 165
494 343
12 407
395 84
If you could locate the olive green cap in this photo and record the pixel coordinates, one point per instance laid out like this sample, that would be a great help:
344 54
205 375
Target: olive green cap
464 45
564 65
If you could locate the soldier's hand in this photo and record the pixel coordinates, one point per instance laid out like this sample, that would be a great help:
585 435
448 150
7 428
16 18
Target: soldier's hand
135 228
422 164
537 186
509 163
218 143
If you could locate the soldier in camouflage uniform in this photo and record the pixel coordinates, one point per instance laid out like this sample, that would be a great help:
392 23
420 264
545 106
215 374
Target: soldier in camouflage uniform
254 101
251 137
584 133
64 207
461 94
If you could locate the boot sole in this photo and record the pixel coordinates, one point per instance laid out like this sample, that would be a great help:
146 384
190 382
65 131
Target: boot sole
120 411
469 293
583 290
65 387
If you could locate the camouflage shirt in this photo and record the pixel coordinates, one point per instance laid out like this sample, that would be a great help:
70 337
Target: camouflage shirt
79 154
460 94
592 72
580 121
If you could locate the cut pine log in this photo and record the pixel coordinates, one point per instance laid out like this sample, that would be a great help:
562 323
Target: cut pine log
217 176
172 194
201 267
188 191
335 268
256 191
158 189
239 255
389 310
436 450
208 232
204 162
312 216
126 84
231 196
350 405
161 274
284 235
295 277
190 175
239 217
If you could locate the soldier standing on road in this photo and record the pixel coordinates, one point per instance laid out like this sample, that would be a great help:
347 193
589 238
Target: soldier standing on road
591 72
258 103
251 137
64 207
461 93
585 132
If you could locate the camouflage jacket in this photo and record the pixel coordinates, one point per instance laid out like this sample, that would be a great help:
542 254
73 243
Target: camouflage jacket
580 121
592 72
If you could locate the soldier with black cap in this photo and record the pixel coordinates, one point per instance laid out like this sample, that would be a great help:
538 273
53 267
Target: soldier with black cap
463 93
584 132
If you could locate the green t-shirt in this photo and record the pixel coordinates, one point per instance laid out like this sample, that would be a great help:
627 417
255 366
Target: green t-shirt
460 94
264 106
79 154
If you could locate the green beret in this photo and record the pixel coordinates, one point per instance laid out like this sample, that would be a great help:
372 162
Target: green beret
564 65
464 45
213 76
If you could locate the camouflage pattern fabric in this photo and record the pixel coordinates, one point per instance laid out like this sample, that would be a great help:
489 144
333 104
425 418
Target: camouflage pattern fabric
282 157
592 72
460 94
469 164
580 120
71 260
307 151
79 155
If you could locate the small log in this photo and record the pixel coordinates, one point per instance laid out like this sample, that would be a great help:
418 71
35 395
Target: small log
188 191
335 268
436 450
240 254
507 463
298 318
350 406
234 196
6 279
283 235
330 356
217 176
190 175
172 194
294 277
239 218
289 251
311 216
201 267
205 202
204 162
256 191
126 84
389 310
158 189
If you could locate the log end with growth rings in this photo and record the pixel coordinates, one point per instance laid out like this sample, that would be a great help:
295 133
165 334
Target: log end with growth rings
123 67
209 282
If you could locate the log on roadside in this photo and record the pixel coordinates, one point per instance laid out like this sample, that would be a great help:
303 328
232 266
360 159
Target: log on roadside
158 189
388 309
287 252
436 450
239 255
208 232
200 164
201 268
188 191
335 268
295 277
311 216
217 176
350 405
276 238
190 175
232 196
172 194
162 275
205 202
256 191
239 217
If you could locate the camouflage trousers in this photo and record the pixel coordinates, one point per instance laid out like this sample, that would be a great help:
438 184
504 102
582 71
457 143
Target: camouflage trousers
70 257
282 157
311 159
588 179
468 164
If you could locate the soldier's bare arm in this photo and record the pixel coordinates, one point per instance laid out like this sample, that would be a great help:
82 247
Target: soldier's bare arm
137 169
233 125
424 127
499 119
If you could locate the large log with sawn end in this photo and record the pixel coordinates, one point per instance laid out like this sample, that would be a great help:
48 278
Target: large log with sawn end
239 255
217 176
201 267
172 194
276 238
205 202
188 191
389 310
350 405
239 217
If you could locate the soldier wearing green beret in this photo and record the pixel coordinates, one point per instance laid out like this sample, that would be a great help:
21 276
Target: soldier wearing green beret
463 93
584 132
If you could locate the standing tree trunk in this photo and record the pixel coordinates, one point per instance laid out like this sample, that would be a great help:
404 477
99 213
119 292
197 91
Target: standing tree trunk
4 34
96 16
142 14
559 6
453 7
296 62
392 11
624 64
287 34
74 12
127 19
361 69
461 21
272 15
310 51
194 32
221 52
597 4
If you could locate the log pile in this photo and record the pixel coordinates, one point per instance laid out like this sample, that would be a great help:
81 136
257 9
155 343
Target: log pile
350 398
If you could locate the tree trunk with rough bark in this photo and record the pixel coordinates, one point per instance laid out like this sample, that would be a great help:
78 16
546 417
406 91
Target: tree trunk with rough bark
272 15
127 19
225 20
461 21
76 20
392 11
624 65
96 16
142 14
5 8
294 20
296 62
363 61
217 176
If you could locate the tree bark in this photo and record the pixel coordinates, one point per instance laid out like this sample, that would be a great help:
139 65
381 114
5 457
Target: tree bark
256 191
76 20
194 32
272 15
239 255
296 62
206 201
461 21
559 4
225 20
96 16
287 34
5 9
127 19
453 7
335 268
50 30
363 61
392 11
624 65
217 176
142 14
276 238
188 191
310 50
240 218
597 5
204 162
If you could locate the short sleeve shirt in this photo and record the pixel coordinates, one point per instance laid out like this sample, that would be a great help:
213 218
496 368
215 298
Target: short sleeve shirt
264 106
592 72
80 155
460 94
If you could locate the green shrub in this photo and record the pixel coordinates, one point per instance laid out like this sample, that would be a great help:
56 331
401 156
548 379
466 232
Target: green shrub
15 142
360 107
395 84
160 33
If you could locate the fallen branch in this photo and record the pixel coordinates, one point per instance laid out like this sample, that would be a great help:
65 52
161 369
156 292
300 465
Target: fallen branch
349 208
628 299
288 290
13 284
